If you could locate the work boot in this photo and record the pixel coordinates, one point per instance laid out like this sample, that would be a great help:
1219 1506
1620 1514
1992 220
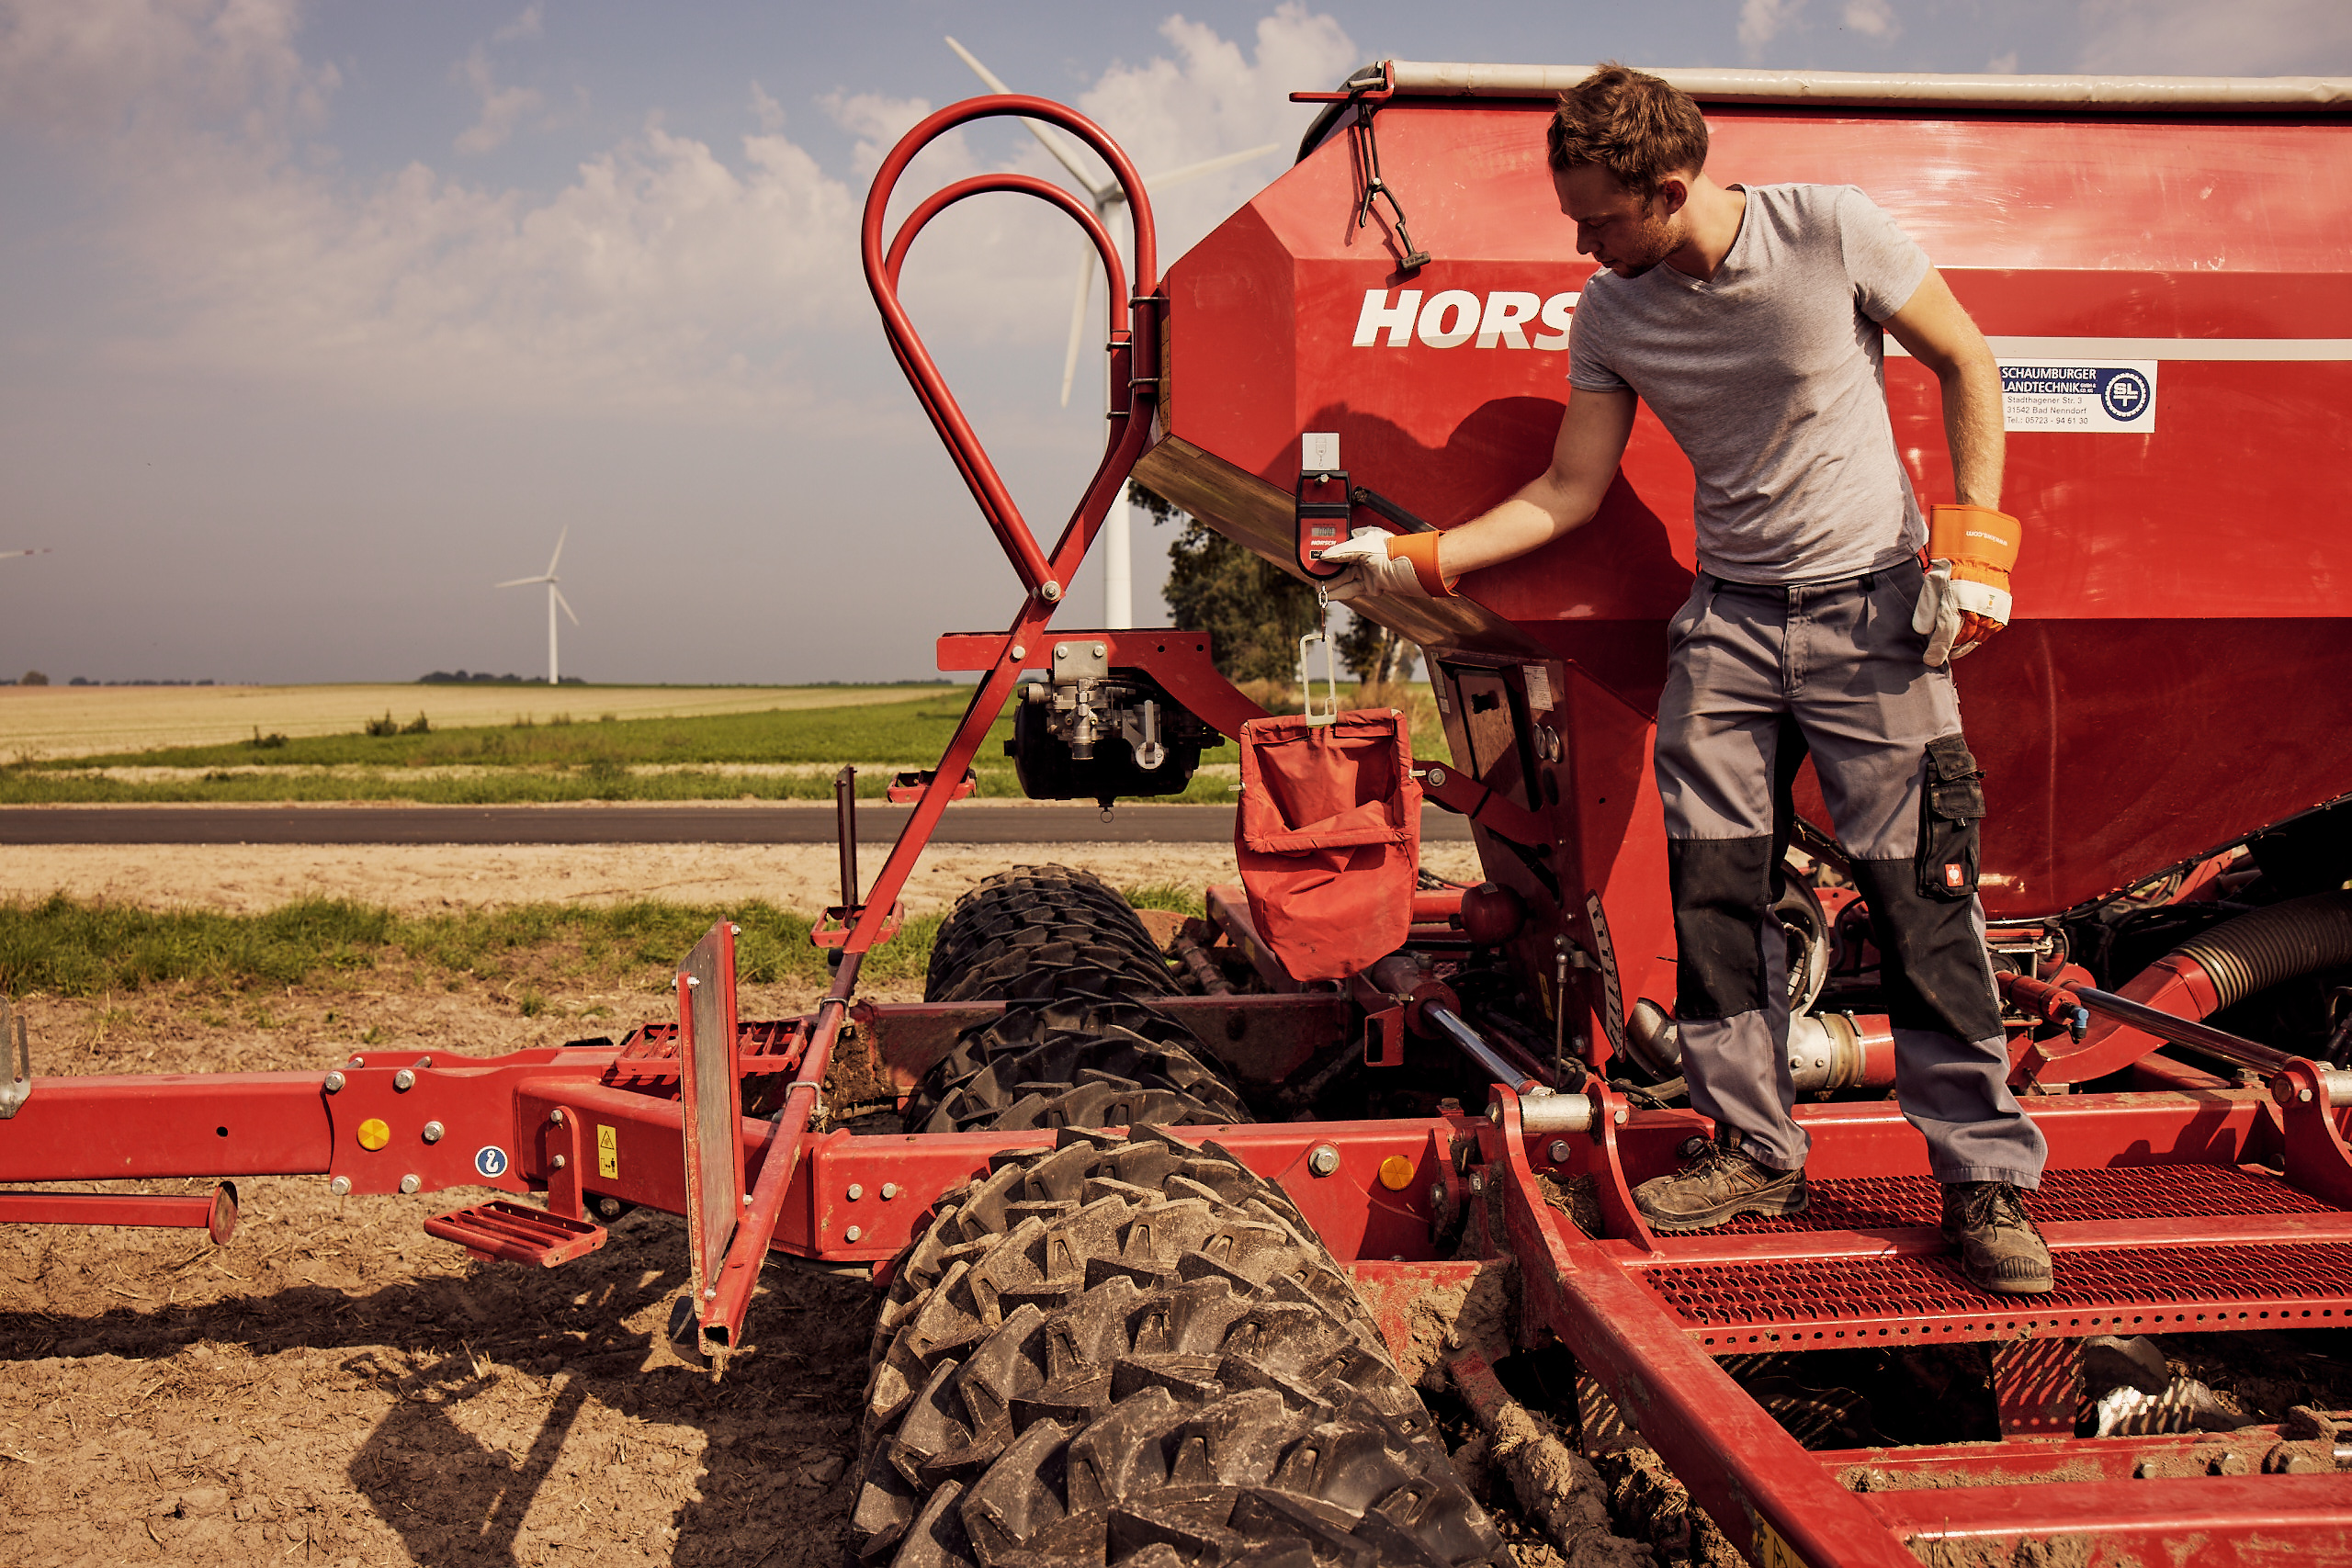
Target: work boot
1717 1182
1986 1224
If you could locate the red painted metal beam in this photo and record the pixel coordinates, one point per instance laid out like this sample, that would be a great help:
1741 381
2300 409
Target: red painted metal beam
1754 1481
215 1211
99 1128
2208 1520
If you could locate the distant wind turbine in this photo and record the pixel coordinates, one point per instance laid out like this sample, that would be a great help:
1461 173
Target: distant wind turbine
1118 573
555 597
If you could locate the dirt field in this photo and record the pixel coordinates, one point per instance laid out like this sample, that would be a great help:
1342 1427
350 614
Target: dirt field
78 721
336 1387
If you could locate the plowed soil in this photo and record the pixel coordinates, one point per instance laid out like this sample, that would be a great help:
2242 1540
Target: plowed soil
336 1387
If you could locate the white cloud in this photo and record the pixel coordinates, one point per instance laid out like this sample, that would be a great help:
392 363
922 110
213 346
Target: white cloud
669 276
1761 21
2197 38
528 25
501 107
1872 18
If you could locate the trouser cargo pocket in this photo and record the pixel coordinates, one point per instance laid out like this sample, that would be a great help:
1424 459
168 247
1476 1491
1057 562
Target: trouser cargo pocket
1951 803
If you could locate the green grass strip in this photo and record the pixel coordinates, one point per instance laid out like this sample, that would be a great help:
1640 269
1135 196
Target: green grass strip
63 946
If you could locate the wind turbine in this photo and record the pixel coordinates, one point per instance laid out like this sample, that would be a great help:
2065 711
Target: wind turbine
1118 574
555 597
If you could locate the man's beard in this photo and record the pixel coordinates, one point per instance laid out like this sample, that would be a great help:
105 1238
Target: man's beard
1655 241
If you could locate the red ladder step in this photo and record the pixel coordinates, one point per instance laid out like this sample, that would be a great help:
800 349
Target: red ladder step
515 1233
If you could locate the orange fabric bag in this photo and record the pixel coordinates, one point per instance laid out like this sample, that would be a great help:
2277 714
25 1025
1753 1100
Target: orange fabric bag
1329 837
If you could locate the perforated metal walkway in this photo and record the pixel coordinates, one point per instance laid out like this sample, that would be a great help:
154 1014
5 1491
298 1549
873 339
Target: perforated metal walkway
2136 1249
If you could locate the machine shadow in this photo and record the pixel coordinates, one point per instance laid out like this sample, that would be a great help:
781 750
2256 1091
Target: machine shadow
457 1501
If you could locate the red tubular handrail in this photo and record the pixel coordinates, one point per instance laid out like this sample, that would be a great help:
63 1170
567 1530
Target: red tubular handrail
1133 342
947 417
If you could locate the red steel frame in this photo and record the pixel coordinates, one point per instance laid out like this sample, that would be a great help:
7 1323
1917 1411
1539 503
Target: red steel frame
1646 1316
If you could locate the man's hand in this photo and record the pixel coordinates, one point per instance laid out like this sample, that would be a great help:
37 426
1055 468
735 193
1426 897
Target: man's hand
1966 600
1381 562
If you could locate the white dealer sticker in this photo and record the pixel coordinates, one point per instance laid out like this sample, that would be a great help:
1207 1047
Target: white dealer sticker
2101 396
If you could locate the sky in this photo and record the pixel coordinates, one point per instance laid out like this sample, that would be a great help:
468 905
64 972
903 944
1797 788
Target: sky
317 320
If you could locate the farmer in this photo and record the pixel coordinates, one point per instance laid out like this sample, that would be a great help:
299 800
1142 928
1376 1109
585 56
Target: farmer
1749 317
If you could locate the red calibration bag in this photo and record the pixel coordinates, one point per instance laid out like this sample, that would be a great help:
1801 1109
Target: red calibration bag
1329 837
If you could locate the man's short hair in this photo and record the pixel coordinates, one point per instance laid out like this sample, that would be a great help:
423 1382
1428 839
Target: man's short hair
1635 126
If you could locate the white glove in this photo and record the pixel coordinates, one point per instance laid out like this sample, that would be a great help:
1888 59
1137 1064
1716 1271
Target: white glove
1942 603
1381 562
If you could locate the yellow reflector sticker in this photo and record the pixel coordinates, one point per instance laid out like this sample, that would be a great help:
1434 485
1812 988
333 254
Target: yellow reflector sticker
1771 1551
1396 1172
374 1135
609 1152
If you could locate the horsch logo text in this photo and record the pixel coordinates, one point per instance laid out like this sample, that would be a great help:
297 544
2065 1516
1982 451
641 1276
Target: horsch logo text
1456 316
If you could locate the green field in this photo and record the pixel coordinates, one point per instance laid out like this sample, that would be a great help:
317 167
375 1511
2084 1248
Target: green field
68 947
780 755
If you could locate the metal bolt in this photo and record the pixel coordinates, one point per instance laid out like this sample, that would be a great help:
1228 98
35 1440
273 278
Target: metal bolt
710 1293
747 1200
693 980
1050 592
1621 1116
558 1163
340 1187
2303 1095
855 1191
403 1080
356 1062
1494 1113
1100 650
1477 1181
1559 1151
1061 651
433 1131
555 1117
890 1190
334 1083
734 929
610 1208
852 1232
1437 1194
423 1063
1322 1160
1436 777
411 1183
1018 653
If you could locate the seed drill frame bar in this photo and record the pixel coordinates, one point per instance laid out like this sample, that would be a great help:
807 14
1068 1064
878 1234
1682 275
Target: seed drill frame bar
2188 1209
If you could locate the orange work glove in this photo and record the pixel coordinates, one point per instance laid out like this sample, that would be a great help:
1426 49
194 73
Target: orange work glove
1382 562
1970 552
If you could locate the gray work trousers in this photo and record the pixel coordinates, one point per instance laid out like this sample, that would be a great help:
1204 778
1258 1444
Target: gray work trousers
1757 678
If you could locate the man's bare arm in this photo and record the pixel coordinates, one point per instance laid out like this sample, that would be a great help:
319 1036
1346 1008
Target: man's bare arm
1939 334
1583 460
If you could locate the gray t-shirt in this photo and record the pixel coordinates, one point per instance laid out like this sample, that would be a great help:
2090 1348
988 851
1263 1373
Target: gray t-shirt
1770 376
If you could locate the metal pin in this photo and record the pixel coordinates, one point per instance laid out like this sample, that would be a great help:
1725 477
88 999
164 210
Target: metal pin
334 1083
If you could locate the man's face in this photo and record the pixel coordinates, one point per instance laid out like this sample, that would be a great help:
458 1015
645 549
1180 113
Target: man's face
1614 227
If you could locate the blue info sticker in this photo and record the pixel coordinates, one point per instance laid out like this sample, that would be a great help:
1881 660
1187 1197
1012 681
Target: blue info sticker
490 1160
2096 397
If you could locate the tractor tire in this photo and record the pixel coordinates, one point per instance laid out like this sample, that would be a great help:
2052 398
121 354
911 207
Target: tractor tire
1074 1063
1134 1353
1018 924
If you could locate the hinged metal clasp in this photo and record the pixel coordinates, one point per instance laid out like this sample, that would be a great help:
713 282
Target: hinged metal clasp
19 1087
1319 714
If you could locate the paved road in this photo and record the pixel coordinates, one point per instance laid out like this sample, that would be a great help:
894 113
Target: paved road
811 824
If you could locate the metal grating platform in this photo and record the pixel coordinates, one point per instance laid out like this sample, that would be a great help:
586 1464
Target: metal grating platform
2121 1192
1890 1298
